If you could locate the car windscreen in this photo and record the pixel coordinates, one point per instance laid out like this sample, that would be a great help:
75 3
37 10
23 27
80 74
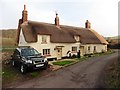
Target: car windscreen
29 52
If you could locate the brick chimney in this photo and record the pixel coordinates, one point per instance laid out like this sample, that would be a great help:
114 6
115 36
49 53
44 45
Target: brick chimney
57 20
87 24
23 19
24 14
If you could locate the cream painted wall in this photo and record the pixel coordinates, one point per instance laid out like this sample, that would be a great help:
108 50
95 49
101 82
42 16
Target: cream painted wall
66 46
99 48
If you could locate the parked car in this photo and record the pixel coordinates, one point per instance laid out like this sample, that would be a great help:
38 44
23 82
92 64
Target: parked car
27 58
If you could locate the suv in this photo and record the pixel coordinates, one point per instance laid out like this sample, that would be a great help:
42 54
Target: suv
27 58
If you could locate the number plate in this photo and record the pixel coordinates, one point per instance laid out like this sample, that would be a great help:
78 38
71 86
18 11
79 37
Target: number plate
40 65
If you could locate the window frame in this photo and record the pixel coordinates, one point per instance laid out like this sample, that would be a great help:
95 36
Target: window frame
46 52
74 49
77 38
89 48
44 39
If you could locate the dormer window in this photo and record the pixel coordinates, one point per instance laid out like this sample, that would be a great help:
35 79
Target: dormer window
44 39
77 38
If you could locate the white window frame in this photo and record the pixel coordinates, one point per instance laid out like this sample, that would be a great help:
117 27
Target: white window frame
44 39
77 38
74 49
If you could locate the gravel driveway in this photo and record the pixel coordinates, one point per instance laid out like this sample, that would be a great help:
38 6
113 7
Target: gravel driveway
86 74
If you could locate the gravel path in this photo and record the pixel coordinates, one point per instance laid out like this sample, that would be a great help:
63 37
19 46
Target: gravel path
86 74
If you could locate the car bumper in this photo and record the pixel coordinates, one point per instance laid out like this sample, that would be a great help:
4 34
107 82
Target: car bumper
37 66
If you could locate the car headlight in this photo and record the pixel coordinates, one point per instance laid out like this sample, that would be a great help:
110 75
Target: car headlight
45 60
28 61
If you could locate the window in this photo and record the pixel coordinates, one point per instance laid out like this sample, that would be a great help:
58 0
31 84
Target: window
46 51
74 49
77 38
29 52
88 48
44 39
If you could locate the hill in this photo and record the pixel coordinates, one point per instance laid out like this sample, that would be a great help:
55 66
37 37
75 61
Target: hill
9 33
114 42
8 37
113 38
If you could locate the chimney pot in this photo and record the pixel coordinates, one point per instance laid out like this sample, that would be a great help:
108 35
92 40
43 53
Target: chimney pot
57 20
24 7
87 24
24 14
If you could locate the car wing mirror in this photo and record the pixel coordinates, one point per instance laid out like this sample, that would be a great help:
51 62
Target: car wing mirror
40 54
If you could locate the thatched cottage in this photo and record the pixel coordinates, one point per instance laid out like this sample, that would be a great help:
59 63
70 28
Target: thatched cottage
55 41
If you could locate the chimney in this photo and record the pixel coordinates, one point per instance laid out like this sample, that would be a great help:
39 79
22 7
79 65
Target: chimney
24 14
57 20
24 18
87 24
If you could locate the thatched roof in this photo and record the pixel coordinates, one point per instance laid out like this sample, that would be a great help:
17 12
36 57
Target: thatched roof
62 34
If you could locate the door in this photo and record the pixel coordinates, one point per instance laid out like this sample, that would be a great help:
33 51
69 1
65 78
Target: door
16 57
81 50
59 53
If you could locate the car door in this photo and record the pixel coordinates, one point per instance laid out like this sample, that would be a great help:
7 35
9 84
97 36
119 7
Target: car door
17 57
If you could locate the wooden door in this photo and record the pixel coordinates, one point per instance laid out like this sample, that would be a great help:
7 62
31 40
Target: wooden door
59 53
81 50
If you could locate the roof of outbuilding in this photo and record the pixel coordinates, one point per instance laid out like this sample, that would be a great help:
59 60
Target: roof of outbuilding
62 34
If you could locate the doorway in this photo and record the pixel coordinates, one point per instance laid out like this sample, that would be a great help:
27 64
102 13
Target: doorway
81 50
59 53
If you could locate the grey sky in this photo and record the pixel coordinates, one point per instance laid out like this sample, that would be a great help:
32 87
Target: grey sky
103 14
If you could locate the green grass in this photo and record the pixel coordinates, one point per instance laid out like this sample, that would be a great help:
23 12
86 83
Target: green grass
11 75
34 74
103 53
8 48
113 77
8 75
62 63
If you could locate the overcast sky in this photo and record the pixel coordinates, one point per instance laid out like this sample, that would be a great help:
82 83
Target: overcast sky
103 14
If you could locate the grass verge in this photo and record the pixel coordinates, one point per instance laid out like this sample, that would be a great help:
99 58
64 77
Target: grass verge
113 76
8 74
62 63
34 74
12 75
8 48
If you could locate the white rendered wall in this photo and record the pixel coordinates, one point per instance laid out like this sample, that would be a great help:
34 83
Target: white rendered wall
66 46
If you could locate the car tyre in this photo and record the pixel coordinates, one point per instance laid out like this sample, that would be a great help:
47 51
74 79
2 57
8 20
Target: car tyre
45 66
22 69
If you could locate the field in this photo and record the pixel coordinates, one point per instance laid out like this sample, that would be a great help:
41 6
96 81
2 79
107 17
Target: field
8 37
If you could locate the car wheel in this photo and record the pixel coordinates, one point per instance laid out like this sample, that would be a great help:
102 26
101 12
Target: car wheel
13 63
23 69
45 66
